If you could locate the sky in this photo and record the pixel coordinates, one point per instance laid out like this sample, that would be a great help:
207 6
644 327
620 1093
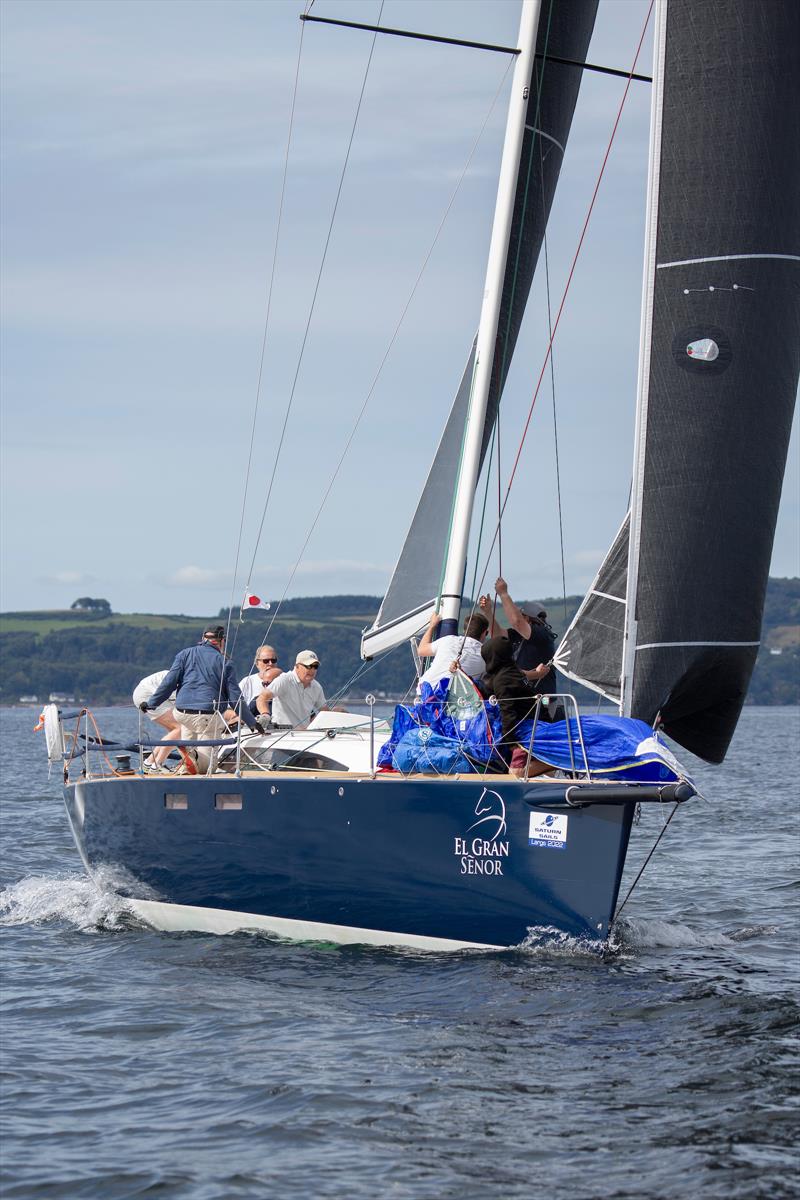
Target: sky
143 150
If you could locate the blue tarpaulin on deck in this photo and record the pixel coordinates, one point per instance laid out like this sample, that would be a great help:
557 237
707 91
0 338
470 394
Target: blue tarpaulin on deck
426 737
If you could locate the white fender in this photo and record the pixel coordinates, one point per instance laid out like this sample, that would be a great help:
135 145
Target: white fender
53 733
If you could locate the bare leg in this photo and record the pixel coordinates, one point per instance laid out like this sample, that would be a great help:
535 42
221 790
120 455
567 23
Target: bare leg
166 721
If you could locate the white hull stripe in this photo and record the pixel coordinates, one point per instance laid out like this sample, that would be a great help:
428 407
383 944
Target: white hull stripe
189 918
687 262
661 645
548 137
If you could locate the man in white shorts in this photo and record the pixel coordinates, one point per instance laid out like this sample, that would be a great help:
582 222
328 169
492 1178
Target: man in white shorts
164 716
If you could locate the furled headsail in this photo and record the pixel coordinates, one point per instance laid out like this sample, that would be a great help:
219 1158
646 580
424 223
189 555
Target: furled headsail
565 28
720 360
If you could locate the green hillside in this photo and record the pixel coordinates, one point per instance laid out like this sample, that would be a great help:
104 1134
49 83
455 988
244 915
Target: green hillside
99 657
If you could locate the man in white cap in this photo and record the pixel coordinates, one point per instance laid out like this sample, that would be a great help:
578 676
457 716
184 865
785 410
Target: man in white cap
296 695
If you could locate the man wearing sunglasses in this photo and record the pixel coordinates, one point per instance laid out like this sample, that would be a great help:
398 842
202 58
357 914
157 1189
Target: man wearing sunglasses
267 669
296 695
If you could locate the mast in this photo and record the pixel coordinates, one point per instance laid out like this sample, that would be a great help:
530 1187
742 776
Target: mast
490 314
416 585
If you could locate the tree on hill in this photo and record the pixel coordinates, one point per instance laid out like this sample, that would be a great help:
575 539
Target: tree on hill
88 604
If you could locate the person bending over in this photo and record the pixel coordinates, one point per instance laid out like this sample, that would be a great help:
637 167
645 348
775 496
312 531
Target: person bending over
453 651
517 702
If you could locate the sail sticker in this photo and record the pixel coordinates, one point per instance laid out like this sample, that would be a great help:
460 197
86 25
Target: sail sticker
548 830
702 349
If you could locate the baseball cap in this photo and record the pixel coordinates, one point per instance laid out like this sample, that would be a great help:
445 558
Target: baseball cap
307 658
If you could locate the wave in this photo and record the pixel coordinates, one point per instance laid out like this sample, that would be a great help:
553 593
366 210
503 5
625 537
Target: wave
82 903
632 934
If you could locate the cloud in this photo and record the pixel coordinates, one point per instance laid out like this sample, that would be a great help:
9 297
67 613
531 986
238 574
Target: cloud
73 577
192 576
350 565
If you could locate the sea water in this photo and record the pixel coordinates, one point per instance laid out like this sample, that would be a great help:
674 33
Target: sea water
144 1064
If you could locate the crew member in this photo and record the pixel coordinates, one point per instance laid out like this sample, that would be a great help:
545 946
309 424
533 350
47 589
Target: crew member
205 685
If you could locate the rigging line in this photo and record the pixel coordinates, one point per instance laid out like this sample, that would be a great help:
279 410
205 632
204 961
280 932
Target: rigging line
499 500
534 127
264 341
501 373
580 246
644 864
360 670
553 390
394 337
314 300
571 274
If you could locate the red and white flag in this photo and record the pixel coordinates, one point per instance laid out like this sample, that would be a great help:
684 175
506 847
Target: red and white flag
253 601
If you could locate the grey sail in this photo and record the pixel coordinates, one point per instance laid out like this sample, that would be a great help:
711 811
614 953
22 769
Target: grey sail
590 651
721 360
565 29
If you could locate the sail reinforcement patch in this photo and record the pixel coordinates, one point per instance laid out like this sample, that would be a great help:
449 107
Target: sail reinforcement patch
702 348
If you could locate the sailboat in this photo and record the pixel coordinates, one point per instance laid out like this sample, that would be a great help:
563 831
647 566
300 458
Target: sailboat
298 834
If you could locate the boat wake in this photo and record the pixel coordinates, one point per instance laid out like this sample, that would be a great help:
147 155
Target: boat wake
552 942
630 934
80 902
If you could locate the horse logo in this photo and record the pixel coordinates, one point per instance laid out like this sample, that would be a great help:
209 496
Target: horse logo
490 807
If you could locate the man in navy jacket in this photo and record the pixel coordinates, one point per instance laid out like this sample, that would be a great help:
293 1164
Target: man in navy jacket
205 685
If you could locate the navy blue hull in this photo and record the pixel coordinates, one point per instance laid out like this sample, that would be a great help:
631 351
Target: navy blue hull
428 858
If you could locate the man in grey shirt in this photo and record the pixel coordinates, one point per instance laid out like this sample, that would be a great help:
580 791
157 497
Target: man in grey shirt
296 695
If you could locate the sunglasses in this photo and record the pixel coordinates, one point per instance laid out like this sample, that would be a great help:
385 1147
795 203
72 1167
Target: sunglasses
268 660
310 666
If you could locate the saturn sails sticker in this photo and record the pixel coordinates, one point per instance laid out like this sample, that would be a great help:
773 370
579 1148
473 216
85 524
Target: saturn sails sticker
483 849
548 830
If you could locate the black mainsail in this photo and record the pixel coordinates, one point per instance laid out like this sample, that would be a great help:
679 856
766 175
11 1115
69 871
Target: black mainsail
564 31
719 367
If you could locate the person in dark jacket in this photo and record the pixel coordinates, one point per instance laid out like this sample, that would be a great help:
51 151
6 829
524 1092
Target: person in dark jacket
532 638
534 645
205 685
505 681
